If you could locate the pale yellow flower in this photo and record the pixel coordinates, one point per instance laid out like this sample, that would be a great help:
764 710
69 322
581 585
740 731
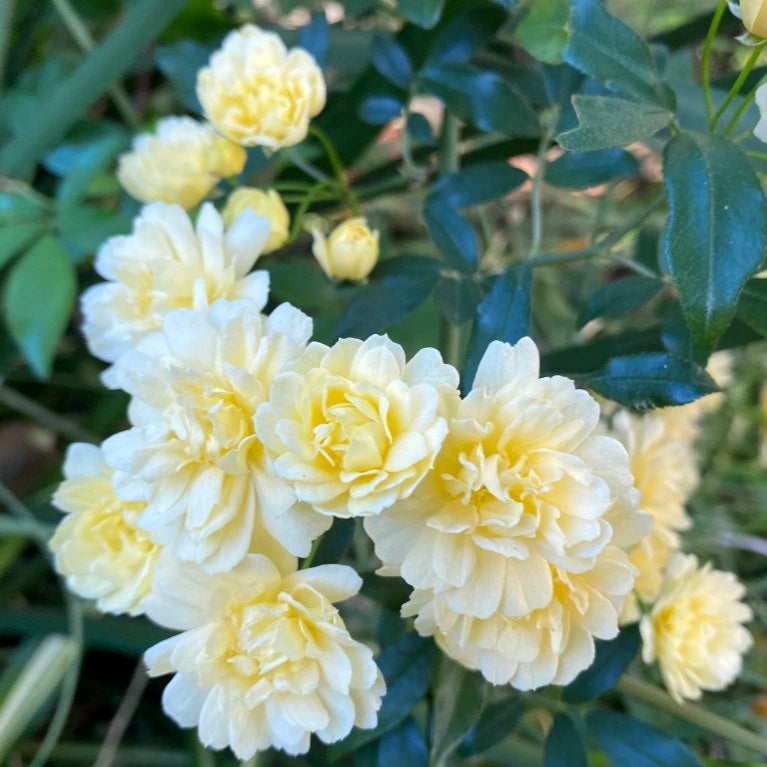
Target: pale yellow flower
257 93
522 484
549 645
754 15
193 455
180 163
694 629
265 203
355 427
264 659
349 253
665 473
98 546
167 264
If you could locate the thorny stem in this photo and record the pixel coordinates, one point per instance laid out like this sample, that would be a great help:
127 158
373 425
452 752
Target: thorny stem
705 60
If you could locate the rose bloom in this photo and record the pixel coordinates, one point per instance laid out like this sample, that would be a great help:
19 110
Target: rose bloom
665 473
192 455
167 264
351 251
694 629
754 16
522 485
258 93
180 163
98 546
355 427
265 203
551 644
264 659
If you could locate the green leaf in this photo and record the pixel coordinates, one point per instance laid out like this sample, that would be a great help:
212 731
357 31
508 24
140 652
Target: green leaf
475 184
752 308
179 62
650 380
403 746
716 232
613 54
606 122
389 592
313 37
396 287
407 669
579 170
422 13
334 542
496 722
419 129
457 297
84 228
544 31
627 741
379 109
482 97
611 660
564 747
619 297
17 208
62 107
465 33
458 701
39 297
502 315
17 237
391 61
452 234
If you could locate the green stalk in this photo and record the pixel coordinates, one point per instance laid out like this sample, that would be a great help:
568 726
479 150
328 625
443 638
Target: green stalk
705 69
536 208
339 172
694 714
742 107
738 84
6 27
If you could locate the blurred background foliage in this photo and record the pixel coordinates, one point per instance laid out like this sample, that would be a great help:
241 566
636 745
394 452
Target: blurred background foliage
65 115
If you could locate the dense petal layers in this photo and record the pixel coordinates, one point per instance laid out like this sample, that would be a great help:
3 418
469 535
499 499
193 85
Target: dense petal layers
167 264
265 659
695 628
193 456
98 547
355 427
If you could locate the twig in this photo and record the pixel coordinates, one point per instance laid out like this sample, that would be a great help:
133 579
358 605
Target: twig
705 69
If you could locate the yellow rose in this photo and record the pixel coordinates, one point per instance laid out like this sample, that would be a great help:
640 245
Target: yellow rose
266 203
258 93
351 251
180 163
694 629
754 15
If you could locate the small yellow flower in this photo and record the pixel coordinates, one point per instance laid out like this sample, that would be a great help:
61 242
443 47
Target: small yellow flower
266 203
351 251
264 659
754 15
180 163
257 93
694 629
98 547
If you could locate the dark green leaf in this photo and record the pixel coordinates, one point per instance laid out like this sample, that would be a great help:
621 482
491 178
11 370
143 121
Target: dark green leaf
423 13
44 272
606 122
612 659
579 170
314 37
502 315
457 297
407 669
396 287
334 542
378 110
452 234
650 380
179 62
391 61
17 237
496 722
458 701
619 297
677 338
564 747
478 183
84 228
465 33
544 31
403 746
607 50
627 741
390 592
419 129
22 208
482 97
752 308
715 237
